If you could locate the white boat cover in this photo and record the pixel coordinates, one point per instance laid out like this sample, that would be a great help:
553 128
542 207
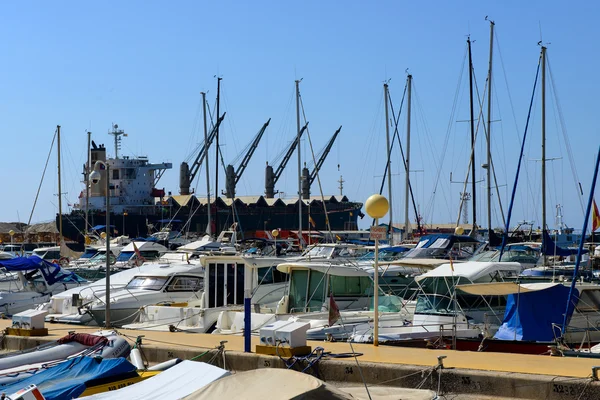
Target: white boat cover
175 383
329 268
389 393
503 288
471 270
271 384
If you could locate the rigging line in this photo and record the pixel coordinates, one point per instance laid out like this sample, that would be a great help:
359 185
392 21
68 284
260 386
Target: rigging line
318 174
512 108
42 178
370 143
427 137
448 131
194 131
514 189
397 135
565 136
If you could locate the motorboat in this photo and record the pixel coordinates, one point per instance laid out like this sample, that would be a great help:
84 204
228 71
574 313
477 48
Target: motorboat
442 312
224 280
137 252
36 281
169 283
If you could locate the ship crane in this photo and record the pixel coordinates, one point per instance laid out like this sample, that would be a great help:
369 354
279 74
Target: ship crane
309 177
232 176
271 177
186 173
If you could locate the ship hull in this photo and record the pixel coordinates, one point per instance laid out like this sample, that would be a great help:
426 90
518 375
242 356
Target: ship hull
250 218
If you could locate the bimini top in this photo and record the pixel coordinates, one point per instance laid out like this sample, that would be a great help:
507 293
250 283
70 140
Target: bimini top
52 272
473 270
325 268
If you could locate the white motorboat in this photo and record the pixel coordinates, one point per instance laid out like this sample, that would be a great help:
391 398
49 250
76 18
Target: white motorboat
169 283
36 281
441 311
224 280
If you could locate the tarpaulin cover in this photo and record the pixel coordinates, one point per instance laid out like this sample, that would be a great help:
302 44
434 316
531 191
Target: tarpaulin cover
52 272
529 316
84 338
550 248
66 380
175 383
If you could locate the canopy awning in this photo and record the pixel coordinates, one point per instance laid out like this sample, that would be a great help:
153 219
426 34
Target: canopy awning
503 288
337 270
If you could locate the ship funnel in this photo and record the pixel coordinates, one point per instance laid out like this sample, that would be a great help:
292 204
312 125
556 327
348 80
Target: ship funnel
184 178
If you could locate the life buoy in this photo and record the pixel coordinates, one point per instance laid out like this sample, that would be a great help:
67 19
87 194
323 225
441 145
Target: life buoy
63 262
55 261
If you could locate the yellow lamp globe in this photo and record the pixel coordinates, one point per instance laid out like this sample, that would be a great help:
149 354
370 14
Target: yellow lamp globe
103 235
11 232
377 206
275 232
459 230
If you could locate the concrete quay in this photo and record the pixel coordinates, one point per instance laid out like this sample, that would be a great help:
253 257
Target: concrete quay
463 375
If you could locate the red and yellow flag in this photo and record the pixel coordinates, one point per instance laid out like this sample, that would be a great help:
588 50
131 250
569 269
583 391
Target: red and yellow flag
595 217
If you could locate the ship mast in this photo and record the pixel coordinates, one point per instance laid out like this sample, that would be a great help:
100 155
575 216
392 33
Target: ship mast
299 163
60 225
472 120
489 135
407 189
217 157
544 144
117 133
87 181
389 169
208 225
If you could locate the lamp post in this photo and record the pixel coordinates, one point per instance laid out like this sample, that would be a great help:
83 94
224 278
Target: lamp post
377 206
95 177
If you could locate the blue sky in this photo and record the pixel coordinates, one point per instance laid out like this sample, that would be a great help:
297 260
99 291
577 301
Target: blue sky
143 64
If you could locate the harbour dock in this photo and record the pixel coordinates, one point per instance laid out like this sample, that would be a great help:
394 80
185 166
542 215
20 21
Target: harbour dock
467 374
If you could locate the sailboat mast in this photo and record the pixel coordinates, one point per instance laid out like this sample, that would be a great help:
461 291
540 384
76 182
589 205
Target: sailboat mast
472 119
407 188
389 166
60 225
217 156
87 180
299 163
208 228
544 142
489 132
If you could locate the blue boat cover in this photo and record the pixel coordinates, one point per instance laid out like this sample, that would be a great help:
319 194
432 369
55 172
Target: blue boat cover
550 248
98 227
67 380
529 316
52 272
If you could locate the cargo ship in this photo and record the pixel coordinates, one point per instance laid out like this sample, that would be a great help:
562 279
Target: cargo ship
138 208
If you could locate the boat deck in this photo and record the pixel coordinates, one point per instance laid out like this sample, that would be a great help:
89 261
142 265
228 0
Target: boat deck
501 362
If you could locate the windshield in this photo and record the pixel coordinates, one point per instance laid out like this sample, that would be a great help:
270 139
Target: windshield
125 255
319 251
89 253
147 282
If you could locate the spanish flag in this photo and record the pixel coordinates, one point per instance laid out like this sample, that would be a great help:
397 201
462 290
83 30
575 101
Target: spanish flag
595 217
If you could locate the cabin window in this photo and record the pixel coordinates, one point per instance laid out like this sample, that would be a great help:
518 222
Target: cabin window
185 284
270 275
115 173
307 291
350 285
129 173
147 282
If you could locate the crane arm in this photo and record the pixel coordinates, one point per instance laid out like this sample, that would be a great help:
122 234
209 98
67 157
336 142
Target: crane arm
242 167
202 153
324 154
288 155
